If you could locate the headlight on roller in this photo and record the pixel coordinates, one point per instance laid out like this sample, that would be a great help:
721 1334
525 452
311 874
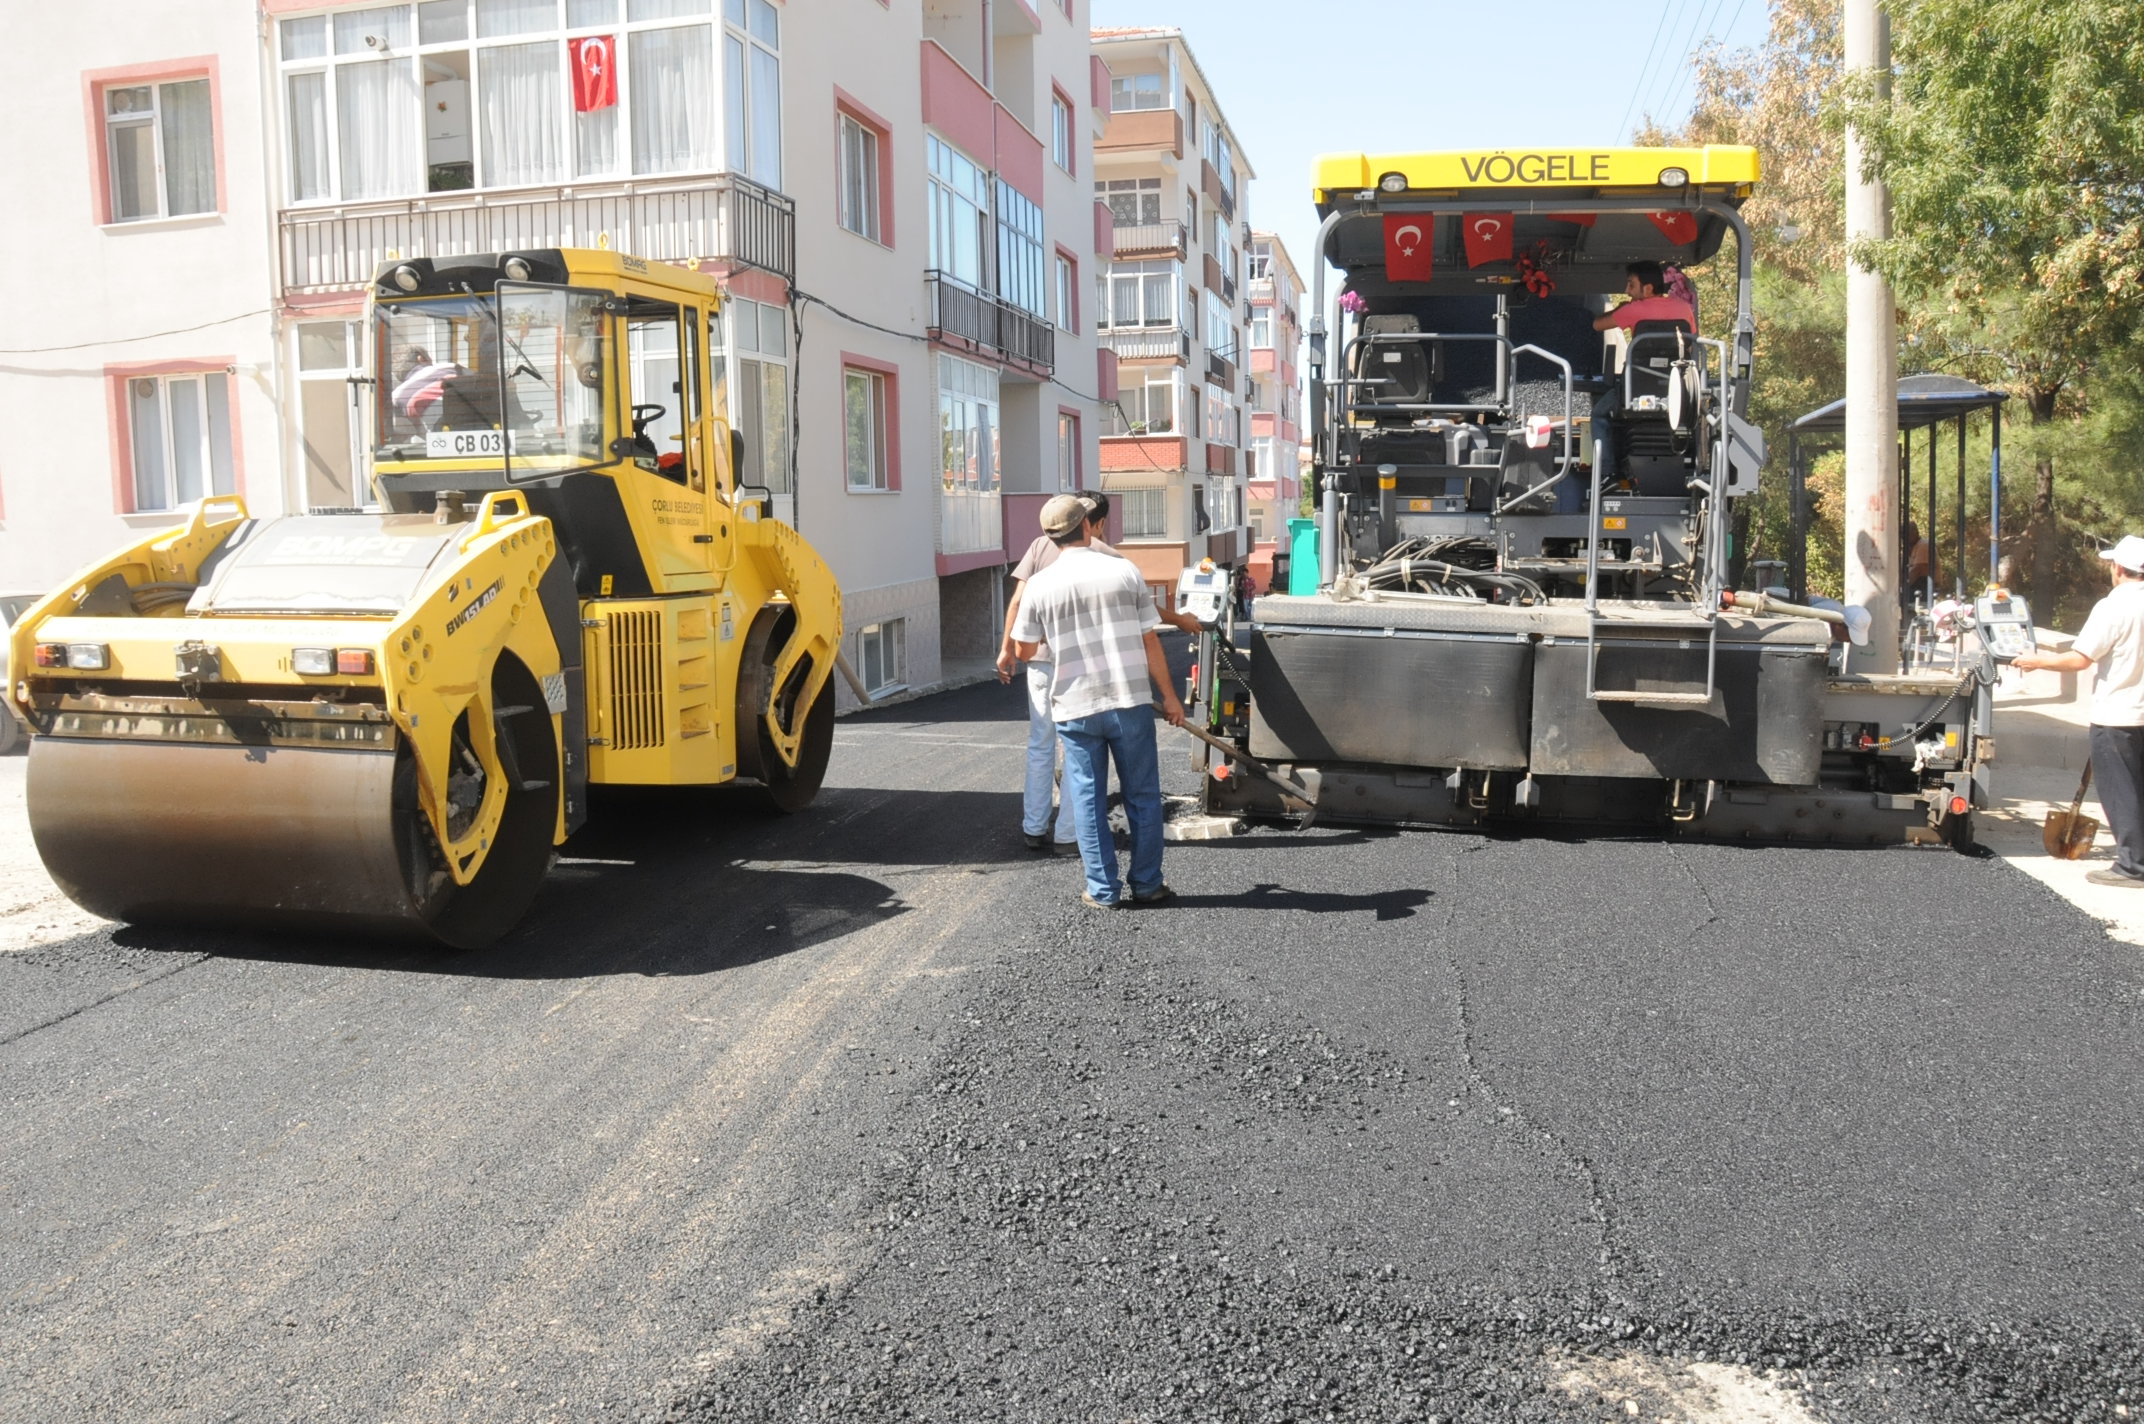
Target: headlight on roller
331 662
80 657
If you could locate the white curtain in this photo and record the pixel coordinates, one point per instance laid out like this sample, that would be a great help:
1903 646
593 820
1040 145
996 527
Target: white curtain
187 438
145 413
308 95
673 106
515 17
216 397
189 155
521 92
379 138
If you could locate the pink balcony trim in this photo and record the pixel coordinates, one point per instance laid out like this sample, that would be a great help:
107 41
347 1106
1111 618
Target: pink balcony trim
957 106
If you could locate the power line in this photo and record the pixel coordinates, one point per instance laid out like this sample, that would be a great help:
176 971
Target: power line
1688 68
126 340
1670 78
1639 87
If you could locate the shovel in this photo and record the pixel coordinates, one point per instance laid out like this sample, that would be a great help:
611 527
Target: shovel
2067 835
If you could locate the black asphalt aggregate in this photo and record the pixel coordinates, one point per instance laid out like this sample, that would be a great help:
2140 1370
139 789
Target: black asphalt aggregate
861 1114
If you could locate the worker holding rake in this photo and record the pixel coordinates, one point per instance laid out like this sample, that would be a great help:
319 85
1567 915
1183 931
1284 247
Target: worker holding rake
2111 643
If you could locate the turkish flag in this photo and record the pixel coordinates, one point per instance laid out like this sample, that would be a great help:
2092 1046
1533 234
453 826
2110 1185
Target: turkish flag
1678 228
1488 237
595 72
1407 253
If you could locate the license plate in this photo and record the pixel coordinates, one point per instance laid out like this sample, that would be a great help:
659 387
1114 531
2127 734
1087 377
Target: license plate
449 444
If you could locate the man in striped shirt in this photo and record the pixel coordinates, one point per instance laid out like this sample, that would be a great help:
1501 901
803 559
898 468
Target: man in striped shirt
1094 612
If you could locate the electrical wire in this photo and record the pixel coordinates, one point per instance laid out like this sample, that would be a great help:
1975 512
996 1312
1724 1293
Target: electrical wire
126 340
1639 88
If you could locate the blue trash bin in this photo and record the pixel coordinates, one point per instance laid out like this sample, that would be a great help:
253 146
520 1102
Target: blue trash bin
1302 556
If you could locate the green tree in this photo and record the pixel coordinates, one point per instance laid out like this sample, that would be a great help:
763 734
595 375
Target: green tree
2014 147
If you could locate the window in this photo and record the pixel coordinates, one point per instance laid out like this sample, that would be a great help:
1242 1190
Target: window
1200 520
1139 294
1262 466
1146 512
859 179
1061 132
1146 402
882 654
179 433
1133 202
967 426
1067 451
159 153
756 402
960 214
1067 294
448 95
1220 417
863 423
1261 261
330 358
1020 278
1137 91
752 72
1218 152
1262 328
1220 333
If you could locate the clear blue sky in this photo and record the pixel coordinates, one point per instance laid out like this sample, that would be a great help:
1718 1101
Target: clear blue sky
1400 75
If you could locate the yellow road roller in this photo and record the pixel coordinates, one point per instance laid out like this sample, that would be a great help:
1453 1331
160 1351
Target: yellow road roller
387 720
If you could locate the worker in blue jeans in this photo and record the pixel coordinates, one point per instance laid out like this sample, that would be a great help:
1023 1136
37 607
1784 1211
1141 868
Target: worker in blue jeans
1094 612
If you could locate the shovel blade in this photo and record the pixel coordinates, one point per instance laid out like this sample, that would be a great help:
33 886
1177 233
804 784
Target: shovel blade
2067 836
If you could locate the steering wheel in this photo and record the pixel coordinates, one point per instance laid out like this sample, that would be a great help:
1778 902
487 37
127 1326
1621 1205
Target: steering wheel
643 414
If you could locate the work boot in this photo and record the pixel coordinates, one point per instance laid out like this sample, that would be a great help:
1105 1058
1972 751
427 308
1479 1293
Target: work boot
2110 876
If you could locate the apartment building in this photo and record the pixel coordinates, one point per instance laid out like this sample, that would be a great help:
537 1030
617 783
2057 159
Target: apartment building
138 371
1172 306
893 194
1272 483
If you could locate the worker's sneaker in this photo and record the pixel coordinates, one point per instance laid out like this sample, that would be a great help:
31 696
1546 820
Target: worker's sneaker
2110 876
1154 896
1093 904
1038 842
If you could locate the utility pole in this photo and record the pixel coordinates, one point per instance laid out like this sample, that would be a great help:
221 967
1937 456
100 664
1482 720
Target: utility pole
1872 533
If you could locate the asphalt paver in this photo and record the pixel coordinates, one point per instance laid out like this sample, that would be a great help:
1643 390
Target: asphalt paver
862 1114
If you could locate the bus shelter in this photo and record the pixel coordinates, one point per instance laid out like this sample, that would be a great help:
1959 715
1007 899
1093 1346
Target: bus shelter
1928 403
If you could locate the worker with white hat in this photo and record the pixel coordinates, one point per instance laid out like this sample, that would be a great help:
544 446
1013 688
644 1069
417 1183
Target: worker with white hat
2111 643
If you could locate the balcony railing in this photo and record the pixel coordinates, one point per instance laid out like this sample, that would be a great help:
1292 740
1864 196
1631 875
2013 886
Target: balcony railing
1221 367
1149 343
1143 238
990 323
1261 291
725 217
1228 288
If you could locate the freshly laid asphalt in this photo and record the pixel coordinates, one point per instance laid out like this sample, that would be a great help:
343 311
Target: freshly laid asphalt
861 1114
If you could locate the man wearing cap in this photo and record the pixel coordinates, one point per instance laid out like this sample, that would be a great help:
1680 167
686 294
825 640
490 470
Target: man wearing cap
2112 644
1094 613
1035 818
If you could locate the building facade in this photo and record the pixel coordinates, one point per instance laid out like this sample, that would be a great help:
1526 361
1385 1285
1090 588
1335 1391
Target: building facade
1172 306
905 247
1273 484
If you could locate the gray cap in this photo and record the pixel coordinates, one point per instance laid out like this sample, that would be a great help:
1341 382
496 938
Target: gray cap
1065 513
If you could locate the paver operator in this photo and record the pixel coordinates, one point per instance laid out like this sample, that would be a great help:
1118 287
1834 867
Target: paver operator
2111 643
1101 626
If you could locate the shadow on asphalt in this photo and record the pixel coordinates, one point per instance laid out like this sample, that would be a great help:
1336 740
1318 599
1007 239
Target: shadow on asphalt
1387 904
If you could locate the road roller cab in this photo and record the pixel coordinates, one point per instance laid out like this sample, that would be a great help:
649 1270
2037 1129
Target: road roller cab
390 719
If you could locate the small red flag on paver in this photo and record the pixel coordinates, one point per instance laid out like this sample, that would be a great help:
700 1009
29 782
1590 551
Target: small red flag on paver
1407 253
1679 228
1488 237
595 73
